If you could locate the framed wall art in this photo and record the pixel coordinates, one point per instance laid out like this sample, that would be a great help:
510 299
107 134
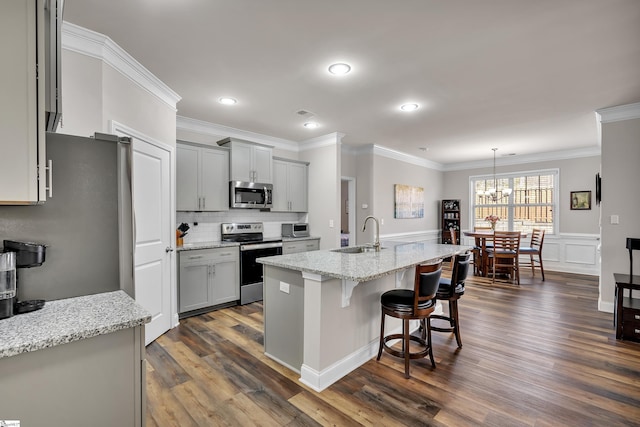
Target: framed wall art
409 202
580 200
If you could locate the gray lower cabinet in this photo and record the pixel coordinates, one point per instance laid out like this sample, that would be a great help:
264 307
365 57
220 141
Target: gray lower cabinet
208 277
292 247
98 381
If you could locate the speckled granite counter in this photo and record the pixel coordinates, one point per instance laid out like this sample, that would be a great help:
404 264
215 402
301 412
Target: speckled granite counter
362 267
205 245
67 320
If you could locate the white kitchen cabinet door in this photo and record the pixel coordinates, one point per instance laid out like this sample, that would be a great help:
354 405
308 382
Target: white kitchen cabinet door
195 285
226 282
214 183
241 162
22 165
263 164
290 186
280 186
250 162
187 179
202 178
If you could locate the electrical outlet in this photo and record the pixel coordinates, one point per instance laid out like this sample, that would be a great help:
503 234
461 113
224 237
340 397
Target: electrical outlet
284 287
381 221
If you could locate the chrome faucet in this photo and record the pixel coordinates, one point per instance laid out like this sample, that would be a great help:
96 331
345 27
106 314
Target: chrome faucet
376 243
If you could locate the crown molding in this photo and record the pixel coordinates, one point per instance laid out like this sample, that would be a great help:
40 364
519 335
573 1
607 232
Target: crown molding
86 42
407 158
526 158
330 139
208 128
619 113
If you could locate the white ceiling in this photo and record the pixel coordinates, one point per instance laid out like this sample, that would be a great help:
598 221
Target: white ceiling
524 76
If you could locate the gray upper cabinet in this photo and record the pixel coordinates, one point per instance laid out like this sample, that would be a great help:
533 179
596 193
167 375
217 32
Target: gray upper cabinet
250 162
290 185
202 178
23 162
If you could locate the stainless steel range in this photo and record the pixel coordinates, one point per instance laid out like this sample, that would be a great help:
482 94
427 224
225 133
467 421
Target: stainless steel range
252 246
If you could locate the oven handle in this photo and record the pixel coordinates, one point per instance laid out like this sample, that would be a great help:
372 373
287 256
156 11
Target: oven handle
256 246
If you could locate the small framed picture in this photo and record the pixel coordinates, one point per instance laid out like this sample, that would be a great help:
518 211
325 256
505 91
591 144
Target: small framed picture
580 200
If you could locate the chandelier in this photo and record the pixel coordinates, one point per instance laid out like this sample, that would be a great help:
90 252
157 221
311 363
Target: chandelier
493 193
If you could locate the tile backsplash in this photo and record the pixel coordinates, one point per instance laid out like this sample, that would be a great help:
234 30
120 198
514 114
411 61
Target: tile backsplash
208 228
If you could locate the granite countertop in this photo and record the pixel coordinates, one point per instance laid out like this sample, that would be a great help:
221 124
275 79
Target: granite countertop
67 320
362 267
206 245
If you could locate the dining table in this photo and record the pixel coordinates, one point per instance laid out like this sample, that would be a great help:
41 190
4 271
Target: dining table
482 239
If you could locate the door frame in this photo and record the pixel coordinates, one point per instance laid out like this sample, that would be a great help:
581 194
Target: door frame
351 188
124 130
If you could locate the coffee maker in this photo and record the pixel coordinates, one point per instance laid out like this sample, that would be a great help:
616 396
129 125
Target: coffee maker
7 283
27 255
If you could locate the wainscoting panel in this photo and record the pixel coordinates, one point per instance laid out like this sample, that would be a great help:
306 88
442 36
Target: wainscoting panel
569 253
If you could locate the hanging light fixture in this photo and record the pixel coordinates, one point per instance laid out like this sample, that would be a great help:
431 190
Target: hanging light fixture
493 192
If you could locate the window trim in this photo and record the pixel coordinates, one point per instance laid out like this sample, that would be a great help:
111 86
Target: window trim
510 176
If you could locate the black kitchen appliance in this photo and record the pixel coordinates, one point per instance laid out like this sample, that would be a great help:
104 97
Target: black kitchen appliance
252 246
27 255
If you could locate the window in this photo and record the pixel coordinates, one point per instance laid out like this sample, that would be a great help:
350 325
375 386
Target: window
532 203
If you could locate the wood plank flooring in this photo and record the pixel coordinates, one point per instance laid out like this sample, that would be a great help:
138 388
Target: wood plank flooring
535 355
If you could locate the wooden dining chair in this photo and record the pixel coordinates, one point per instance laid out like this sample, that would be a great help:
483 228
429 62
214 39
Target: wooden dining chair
534 250
453 235
478 265
503 256
411 304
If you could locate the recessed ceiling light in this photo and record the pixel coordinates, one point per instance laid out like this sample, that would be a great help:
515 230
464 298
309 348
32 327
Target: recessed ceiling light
311 125
227 101
409 107
339 69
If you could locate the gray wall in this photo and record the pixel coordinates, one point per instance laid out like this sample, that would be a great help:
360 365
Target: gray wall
620 175
574 175
388 172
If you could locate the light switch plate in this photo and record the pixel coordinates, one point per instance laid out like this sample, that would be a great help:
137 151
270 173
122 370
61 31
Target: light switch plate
615 219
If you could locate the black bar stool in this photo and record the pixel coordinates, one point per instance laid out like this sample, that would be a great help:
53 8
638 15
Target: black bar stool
451 290
407 304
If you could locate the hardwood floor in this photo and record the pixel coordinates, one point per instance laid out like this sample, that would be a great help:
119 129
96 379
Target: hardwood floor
535 355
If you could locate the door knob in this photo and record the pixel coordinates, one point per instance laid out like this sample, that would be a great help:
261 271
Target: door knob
169 249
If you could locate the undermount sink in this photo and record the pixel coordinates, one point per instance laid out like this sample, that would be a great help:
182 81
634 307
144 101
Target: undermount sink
355 249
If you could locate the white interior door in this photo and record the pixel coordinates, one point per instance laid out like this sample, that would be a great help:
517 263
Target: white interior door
153 237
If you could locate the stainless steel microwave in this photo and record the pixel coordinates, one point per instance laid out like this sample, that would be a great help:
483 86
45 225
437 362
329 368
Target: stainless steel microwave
295 230
250 195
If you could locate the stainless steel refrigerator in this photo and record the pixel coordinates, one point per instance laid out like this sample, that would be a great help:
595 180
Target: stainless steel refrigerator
86 224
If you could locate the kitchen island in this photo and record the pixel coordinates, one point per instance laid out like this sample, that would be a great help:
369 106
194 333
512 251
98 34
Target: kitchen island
322 308
76 362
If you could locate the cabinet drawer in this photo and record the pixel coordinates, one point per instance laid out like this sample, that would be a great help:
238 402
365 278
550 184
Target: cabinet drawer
631 316
209 255
631 331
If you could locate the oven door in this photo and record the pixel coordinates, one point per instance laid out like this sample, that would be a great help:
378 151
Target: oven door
251 271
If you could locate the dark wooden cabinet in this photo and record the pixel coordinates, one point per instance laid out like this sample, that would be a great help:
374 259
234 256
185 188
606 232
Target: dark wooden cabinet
627 308
450 210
